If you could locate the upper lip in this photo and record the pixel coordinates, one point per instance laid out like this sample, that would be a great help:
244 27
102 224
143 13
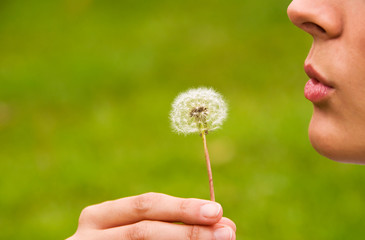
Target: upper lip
313 74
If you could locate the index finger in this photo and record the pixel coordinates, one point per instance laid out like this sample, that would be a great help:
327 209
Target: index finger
151 206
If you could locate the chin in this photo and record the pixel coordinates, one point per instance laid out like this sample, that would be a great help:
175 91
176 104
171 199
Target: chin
334 142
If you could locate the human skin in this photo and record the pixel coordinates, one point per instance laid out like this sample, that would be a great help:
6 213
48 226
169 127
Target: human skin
152 216
337 127
337 131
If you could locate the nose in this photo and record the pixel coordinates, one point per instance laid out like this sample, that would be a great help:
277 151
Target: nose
321 19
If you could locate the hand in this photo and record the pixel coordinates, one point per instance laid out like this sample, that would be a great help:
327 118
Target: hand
151 216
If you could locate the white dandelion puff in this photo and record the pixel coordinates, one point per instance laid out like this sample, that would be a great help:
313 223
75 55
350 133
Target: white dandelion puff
197 110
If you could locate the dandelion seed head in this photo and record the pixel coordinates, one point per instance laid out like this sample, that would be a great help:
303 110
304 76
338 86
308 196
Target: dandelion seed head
196 110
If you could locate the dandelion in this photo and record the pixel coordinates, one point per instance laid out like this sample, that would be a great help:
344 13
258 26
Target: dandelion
199 110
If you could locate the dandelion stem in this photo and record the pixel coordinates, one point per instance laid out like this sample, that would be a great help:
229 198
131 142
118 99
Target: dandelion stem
211 187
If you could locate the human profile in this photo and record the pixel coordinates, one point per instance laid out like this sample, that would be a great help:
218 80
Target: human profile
336 87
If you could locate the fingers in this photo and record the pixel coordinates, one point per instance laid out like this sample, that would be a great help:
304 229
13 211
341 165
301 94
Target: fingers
149 217
227 222
150 206
153 230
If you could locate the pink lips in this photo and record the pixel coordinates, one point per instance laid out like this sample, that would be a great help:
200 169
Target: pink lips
316 89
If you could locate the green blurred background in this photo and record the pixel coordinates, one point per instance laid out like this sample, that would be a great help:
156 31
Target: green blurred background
85 93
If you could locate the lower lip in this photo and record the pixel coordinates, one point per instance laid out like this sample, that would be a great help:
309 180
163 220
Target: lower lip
315 91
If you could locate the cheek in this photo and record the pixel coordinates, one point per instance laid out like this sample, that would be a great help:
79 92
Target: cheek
337 130
350 75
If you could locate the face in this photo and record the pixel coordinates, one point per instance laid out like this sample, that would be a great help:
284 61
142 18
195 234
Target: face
336 68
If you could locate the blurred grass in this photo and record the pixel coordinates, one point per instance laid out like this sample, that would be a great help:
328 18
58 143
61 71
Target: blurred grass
86 88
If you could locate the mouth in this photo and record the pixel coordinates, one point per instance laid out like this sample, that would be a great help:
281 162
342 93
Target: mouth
317 89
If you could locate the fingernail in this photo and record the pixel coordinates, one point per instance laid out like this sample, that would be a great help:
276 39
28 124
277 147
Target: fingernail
210 210
225 233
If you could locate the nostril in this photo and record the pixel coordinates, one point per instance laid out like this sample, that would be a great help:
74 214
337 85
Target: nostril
308 26
321 19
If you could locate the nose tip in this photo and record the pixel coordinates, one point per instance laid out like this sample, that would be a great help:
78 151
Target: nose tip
321 19
294 14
